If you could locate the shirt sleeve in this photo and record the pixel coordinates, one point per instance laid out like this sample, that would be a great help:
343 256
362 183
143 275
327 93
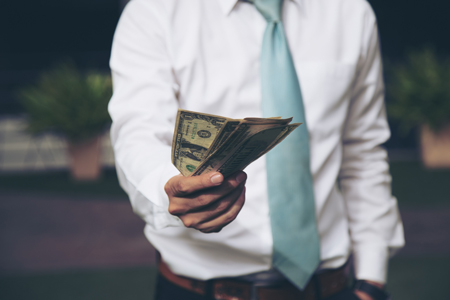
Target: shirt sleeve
375 227
143 110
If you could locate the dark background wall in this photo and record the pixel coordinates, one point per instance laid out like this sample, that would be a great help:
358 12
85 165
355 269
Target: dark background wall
34 34
46 30
406 25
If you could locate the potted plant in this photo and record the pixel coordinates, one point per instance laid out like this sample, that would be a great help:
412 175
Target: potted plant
419 96
71 104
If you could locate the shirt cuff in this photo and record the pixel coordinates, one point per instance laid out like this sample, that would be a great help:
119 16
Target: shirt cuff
371 262
150 191
152 185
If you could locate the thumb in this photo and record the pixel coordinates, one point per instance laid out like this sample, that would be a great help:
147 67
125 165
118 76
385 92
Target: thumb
180 185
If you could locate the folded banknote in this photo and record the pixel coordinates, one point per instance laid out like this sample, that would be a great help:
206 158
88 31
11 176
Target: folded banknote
205 143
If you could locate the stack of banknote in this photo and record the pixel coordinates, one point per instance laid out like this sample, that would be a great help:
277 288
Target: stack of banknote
204 143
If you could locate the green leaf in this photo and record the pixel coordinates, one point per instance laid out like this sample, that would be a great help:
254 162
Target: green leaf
68 102
419 91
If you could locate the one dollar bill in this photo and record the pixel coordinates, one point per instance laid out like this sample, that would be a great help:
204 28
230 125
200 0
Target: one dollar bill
204 143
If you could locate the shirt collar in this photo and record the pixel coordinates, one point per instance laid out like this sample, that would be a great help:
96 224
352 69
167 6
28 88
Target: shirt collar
228 5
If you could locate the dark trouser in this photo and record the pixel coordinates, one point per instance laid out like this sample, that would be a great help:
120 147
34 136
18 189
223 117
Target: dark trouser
166 290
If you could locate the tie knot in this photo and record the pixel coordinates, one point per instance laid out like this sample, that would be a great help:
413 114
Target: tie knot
270 9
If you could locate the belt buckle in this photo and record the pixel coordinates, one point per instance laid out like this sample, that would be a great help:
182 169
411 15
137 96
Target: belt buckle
222 292
254 286
231 290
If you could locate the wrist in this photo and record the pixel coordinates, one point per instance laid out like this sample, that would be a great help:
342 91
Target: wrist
362 295
375 283
370 290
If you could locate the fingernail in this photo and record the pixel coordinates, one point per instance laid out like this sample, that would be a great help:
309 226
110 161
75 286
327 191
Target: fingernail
241 177
216 179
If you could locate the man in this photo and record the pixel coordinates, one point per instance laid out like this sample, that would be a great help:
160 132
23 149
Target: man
215 235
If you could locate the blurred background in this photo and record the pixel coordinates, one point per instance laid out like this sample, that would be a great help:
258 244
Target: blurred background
67 230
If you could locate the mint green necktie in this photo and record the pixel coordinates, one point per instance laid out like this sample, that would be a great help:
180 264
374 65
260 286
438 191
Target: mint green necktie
296 248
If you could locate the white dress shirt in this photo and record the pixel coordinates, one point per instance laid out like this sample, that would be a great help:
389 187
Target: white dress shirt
203 55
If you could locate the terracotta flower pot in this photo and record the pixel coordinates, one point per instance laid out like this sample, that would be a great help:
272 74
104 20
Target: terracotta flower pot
435 147
85 159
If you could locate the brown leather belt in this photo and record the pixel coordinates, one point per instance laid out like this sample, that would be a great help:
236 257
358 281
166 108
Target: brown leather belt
322 285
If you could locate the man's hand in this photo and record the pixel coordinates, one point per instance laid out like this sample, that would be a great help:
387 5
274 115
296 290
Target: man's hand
206 202
364 296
